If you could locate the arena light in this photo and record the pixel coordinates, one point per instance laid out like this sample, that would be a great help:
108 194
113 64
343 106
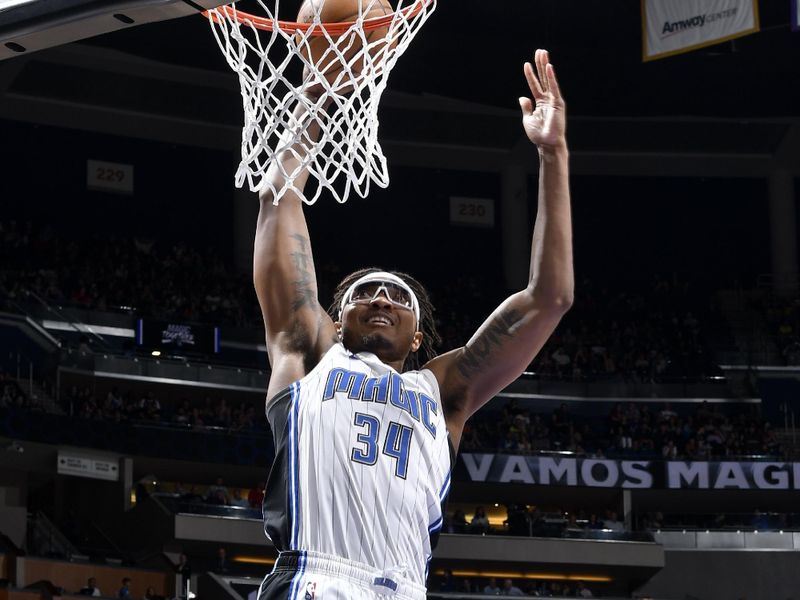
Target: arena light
522 575
156 353
254 560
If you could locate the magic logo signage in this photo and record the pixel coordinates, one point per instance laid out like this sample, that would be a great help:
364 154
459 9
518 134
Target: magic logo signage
629 474
177 337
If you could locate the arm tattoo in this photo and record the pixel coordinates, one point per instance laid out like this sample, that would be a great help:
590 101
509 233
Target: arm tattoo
304 285
475 354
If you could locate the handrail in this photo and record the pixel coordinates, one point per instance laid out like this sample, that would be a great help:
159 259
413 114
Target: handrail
767 280
120 552
49 530
77 325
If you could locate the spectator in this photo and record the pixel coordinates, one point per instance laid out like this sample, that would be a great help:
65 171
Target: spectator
518 520
221 564
480 522
491 588
91 588
255 498
667 414
594 522
237 500
562 363
561 426
760 521
509 589
150 594
183 412
184 569
150 407
613 523
218 493
572 523
649 521
11 395
669 451
458 523
448 583
190 496
125 591
581 591
113 402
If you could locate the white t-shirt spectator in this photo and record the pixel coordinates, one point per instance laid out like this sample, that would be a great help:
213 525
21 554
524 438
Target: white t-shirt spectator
491 589
561 358
509 589
613 523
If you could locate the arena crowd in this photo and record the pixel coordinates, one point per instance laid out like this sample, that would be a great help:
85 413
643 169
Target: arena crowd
645 331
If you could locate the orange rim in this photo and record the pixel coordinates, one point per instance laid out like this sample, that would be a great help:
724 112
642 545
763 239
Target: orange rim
332 29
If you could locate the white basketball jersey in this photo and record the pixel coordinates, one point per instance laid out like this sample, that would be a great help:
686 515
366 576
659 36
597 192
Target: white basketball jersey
362 464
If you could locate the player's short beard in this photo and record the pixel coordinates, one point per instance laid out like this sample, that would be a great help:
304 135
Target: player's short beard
375 342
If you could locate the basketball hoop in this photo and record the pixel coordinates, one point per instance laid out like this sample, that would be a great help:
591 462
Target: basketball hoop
339 92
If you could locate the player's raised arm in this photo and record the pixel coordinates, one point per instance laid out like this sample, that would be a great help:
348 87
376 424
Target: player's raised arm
512 336
298 331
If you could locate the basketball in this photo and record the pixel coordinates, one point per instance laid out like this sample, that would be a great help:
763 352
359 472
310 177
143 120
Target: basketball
318 51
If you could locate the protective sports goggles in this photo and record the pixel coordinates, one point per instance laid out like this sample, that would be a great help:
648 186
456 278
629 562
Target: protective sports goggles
367 288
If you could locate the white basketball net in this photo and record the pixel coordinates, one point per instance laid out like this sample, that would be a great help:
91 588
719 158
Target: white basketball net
347 156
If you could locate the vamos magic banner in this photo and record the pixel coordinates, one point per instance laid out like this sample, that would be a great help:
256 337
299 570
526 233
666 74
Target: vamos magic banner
631 474
674 26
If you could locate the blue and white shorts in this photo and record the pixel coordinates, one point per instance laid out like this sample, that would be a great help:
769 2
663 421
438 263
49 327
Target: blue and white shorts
305 575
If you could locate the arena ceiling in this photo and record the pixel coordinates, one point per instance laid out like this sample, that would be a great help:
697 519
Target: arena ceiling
731 108
473 50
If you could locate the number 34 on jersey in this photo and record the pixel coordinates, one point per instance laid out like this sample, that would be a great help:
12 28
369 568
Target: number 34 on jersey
395 439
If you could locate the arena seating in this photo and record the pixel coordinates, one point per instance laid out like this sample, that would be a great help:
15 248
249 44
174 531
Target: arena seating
645 331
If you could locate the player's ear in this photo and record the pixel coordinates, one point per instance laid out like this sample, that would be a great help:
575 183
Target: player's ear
338 326
416 342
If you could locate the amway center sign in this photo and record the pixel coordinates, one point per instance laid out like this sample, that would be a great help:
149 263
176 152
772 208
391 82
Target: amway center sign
631 474
673 26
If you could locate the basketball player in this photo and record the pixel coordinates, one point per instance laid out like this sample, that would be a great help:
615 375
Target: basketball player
364 443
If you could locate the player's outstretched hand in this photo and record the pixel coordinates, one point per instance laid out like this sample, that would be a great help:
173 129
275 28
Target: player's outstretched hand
544 117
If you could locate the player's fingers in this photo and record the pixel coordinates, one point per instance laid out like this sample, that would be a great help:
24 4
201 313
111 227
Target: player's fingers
533 82
526 105
536 60
555 89
541 67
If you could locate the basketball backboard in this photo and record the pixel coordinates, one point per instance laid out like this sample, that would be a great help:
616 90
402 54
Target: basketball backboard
30 25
